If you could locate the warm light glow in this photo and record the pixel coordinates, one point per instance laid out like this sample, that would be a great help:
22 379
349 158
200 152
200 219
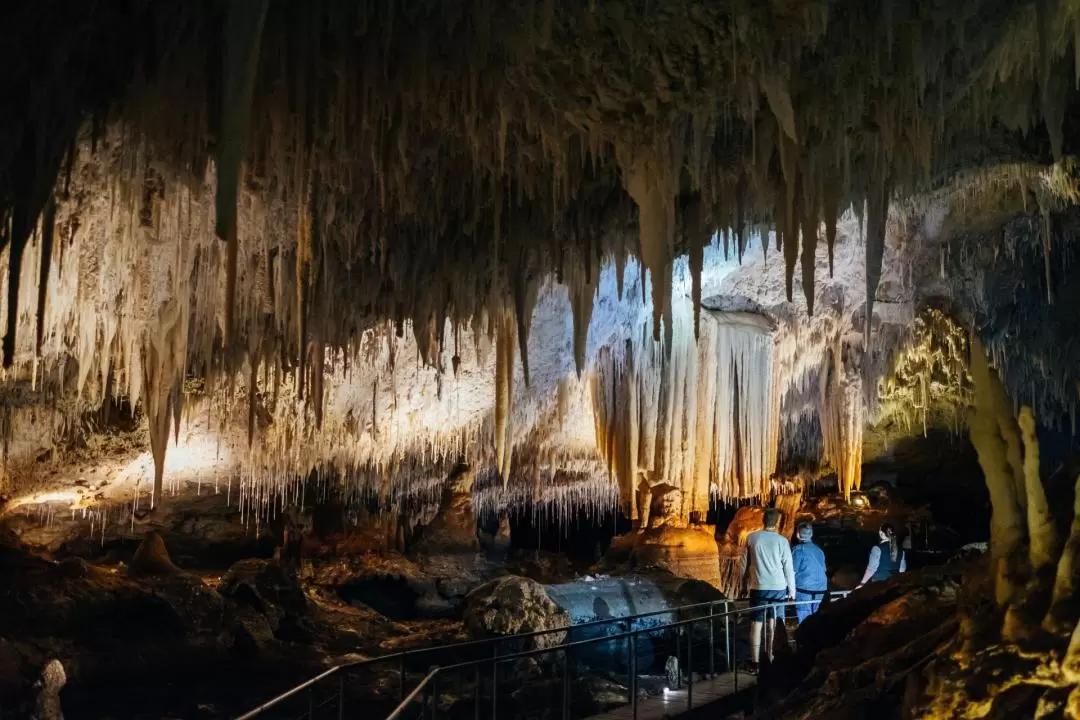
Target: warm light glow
55 496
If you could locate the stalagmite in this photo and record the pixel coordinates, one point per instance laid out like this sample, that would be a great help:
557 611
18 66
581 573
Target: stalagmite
1062 611
1007 521
1043 546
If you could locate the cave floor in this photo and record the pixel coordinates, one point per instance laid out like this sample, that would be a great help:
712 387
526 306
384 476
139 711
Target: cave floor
675 702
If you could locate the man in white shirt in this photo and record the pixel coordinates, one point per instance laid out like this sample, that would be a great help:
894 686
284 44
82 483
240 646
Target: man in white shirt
770 579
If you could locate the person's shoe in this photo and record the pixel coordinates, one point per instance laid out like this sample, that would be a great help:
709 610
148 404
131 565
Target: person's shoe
752 668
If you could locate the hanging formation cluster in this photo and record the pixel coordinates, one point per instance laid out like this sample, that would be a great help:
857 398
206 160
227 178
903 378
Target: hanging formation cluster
700 417
842 411
259 184
928 385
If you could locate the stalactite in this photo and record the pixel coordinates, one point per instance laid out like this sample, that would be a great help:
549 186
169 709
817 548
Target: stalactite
809 247
504 385
830 206
1046 247
582 297
842 414
696 242
791 170
525 289
252 395
651 182
705 413
48 227
242 35
375 180
16 238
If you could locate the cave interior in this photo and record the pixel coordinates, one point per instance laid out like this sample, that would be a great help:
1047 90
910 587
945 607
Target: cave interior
332 329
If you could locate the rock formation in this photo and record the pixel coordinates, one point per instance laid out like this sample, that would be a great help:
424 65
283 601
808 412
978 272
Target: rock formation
513 606
434 266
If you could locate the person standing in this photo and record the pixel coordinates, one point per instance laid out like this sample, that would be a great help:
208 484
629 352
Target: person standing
770 579
811 580
886 558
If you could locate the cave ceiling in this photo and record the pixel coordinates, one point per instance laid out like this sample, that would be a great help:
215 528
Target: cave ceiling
246 200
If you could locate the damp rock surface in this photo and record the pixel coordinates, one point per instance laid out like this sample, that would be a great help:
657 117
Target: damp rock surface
513 605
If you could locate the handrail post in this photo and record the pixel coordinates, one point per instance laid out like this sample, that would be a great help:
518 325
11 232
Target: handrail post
426 701
566 685
712 643
633 673
311 702
476 692
733 656
678 652
690 665
495 682
401 676
727 637
341 696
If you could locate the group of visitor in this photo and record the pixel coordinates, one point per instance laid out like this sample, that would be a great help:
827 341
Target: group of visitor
777 573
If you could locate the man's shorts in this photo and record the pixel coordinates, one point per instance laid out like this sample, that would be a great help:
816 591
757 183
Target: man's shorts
760 598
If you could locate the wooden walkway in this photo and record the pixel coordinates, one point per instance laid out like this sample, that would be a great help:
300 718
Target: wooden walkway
674 702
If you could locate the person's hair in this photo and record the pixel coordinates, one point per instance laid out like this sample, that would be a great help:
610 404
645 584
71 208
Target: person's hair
772 518
888 531
805 531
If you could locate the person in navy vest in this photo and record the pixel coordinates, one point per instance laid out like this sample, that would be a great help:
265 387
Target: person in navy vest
886 558
811 580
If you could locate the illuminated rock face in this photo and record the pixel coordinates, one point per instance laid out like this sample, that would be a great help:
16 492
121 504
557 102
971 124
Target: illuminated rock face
389 421
379 266
687 552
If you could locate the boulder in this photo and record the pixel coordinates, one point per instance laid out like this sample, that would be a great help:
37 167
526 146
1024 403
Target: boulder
513 605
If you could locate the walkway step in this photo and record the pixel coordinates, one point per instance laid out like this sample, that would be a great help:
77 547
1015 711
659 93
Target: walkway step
673 702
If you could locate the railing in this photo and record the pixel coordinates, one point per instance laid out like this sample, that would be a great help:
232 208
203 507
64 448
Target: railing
428 695
325 694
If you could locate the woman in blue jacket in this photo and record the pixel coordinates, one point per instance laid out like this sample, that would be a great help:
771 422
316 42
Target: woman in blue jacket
811 582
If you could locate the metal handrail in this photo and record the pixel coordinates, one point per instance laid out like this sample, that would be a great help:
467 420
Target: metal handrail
494 641
432 676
